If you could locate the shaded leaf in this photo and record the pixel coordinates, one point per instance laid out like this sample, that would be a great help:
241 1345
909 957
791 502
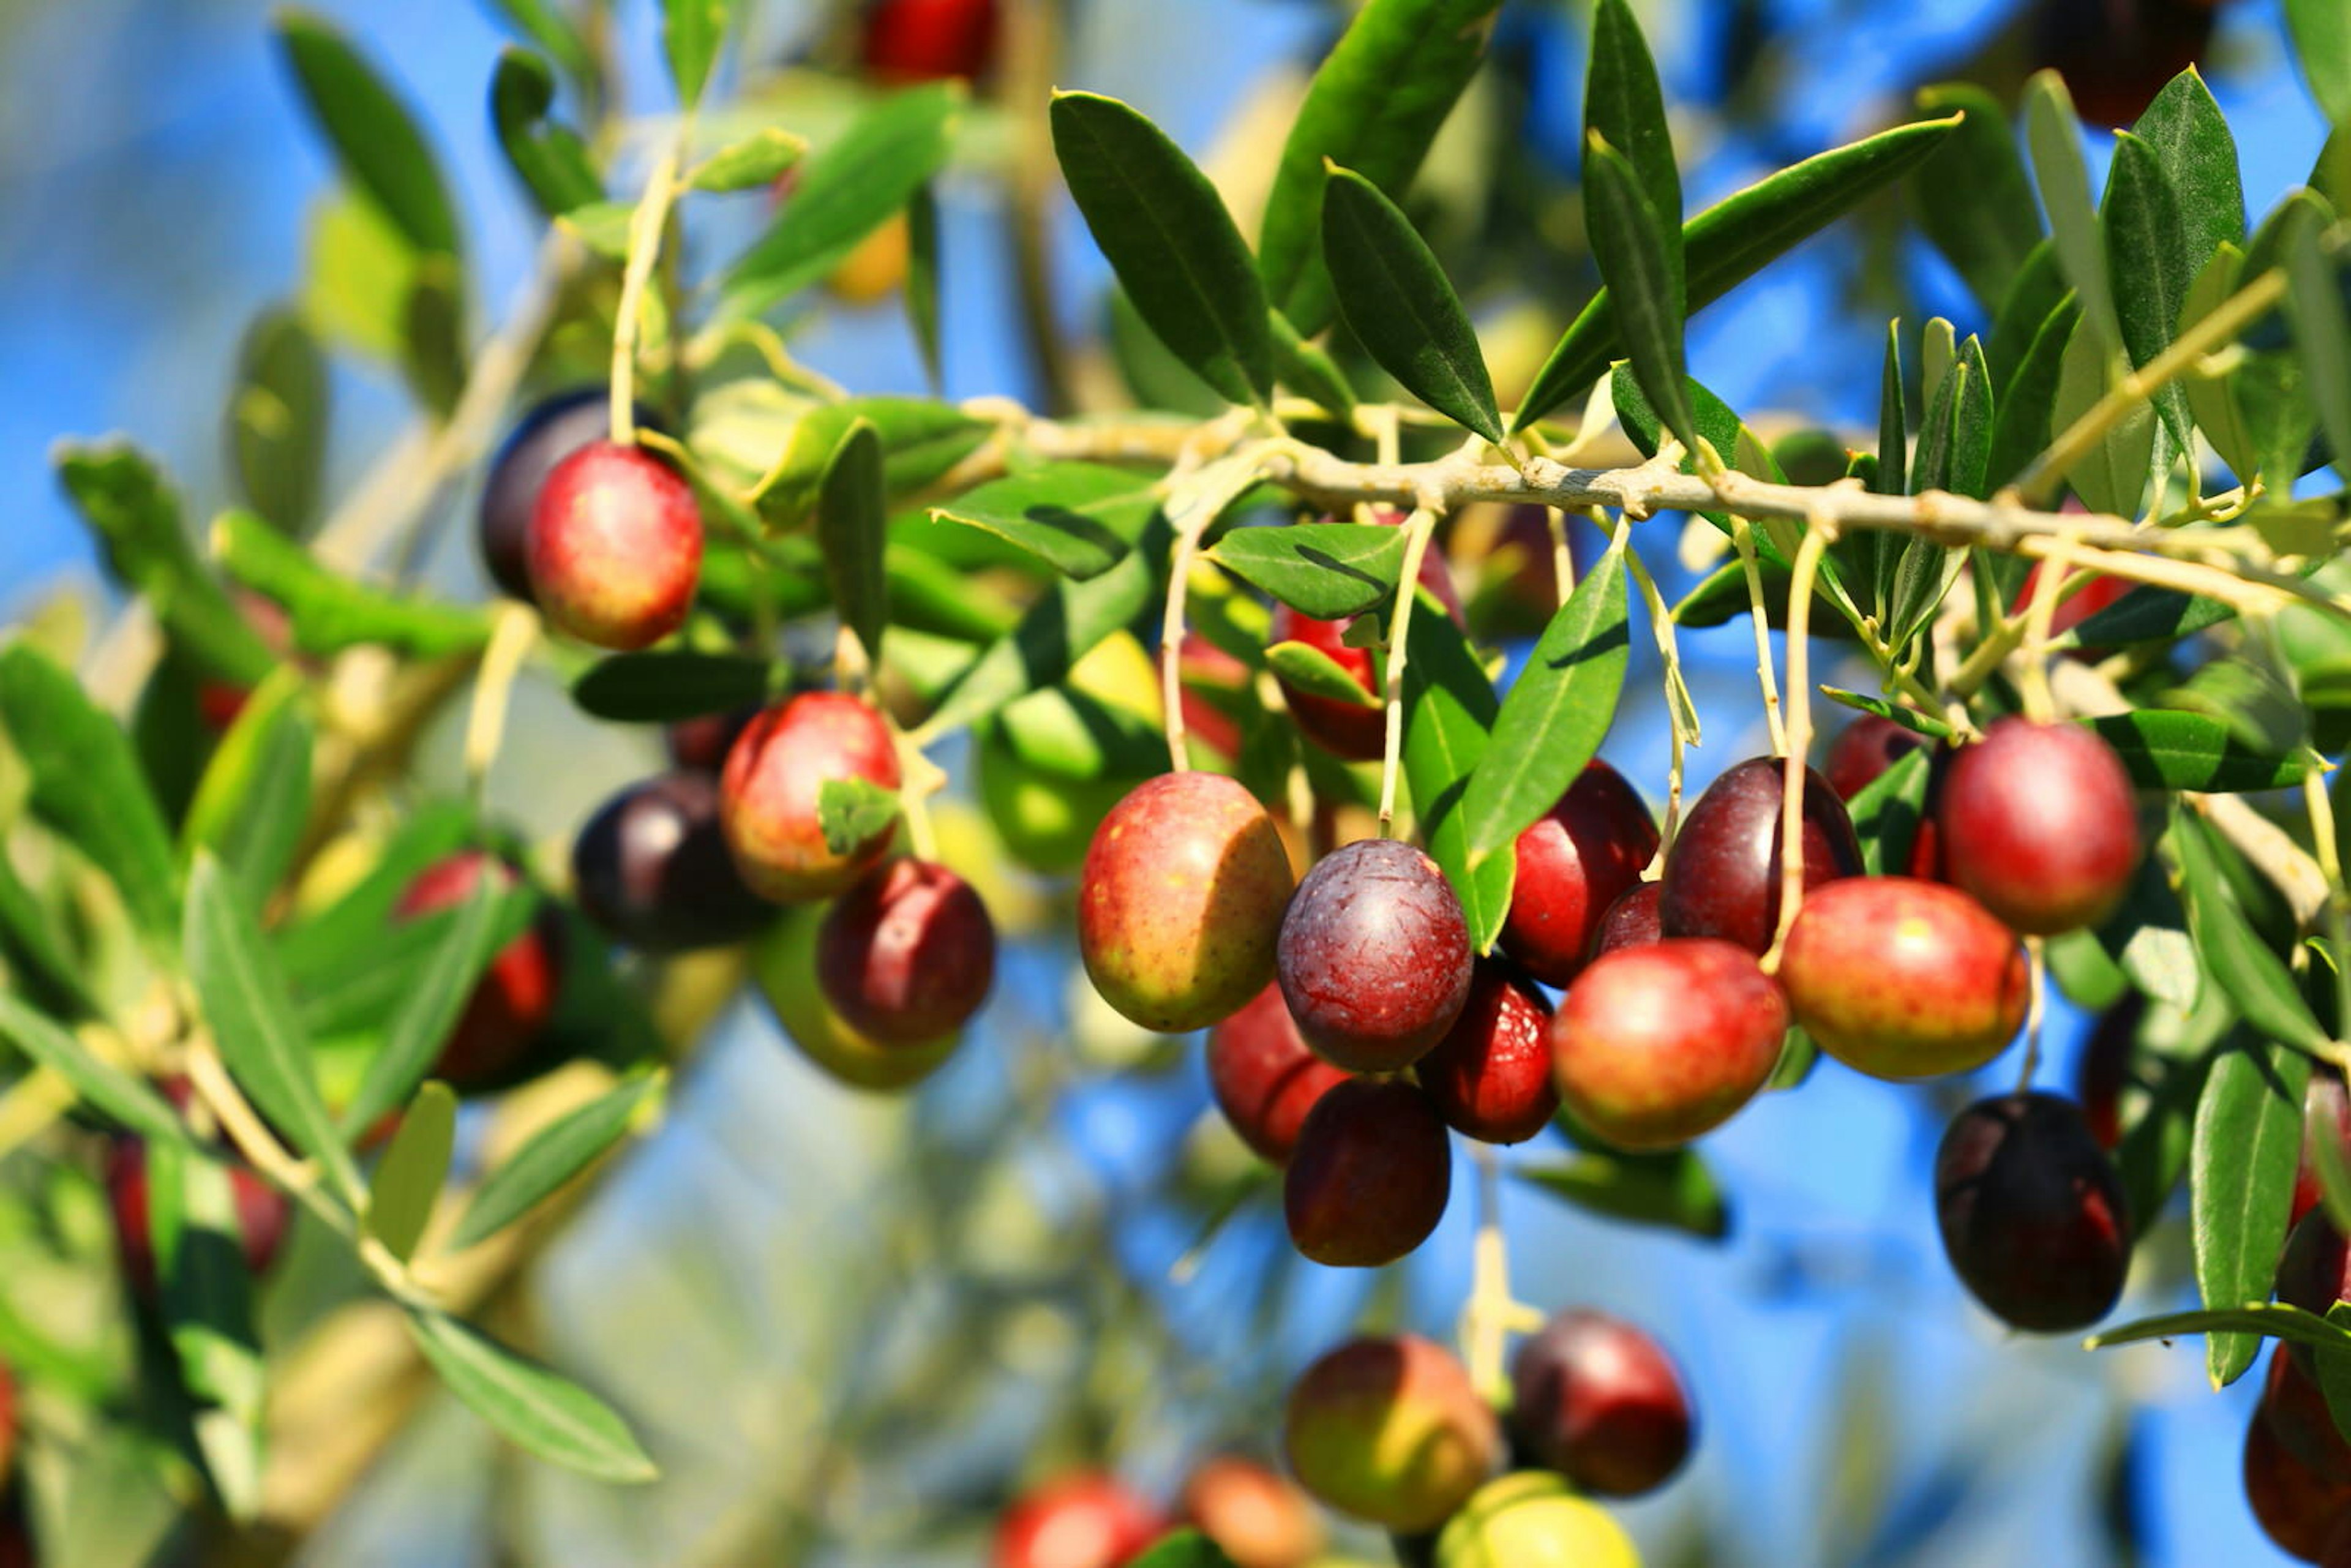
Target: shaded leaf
2167 750
1976 203
664 687
1672 1190
2054 134
1328 571
431 998
1078 518
2321 31
253 804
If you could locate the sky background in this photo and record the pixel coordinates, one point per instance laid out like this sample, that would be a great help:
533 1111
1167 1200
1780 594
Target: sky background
154 178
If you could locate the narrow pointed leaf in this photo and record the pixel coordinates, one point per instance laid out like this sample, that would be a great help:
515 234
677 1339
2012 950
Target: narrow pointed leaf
374 137
1449 708
661 688
554 1156
1167 236
126 1100
1375 107
407 1179
1674 1191
1976 203
206 1299
1643 281
538 1411
2273 1320
1732 240
328 612
277 421
850 524
1400 305
1056 632
1328 571
2240 1176
922 288
1079 519
692 32
2026 408
253 804
2322 331
2148 247
2054 134
430 1002
2320 30
2191 141
131 507
1623 106
2253 976
1555 716
85 784
41 963
251 1012
548 155
845 190
2166 750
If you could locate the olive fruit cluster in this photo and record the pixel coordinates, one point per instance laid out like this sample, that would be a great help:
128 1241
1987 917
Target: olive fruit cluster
607 540
1392 1431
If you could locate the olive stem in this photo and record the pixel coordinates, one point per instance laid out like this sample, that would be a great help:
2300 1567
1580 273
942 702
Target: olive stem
1681 713
1486 1317
1794 772
511 639
1199 501
2328 852
1420 529
1563 558
2036 1007
1743 540
2232 316
647 224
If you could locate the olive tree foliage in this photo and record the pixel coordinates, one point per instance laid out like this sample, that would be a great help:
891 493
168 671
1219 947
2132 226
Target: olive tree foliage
198 929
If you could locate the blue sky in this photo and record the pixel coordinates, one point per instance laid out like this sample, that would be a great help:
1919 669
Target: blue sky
154 181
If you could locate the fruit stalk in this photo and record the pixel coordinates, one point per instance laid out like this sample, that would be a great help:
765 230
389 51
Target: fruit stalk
1418 529
1806 568
1743 540
647 224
